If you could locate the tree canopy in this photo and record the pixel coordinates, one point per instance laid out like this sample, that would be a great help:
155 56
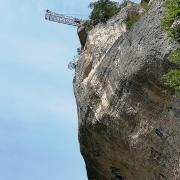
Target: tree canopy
102 10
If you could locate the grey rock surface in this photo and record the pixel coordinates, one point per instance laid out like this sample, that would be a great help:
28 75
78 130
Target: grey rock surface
129 123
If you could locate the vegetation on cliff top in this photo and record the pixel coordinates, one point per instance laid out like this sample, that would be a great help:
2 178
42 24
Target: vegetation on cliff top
102 10
171 16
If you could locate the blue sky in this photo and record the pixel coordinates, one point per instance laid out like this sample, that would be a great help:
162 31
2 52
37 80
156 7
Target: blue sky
38 120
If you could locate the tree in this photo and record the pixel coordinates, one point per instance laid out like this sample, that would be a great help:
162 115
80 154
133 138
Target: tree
102 10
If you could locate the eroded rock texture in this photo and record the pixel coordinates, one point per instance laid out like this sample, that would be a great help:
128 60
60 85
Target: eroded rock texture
129 123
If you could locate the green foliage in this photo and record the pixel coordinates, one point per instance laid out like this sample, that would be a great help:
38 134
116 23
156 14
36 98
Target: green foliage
102 10
144 5
174 57
172 13
172 79
131 20
88 25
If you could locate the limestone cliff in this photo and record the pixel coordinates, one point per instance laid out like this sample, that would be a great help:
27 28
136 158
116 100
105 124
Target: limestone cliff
129 123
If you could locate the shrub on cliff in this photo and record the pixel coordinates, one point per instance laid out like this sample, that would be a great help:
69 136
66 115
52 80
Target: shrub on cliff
172 14
102 10
131 20
144 4
169 23
172 79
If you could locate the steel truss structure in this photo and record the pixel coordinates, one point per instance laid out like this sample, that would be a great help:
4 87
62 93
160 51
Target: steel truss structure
60 18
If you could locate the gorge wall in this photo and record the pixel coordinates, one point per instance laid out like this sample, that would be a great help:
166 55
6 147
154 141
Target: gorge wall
129 122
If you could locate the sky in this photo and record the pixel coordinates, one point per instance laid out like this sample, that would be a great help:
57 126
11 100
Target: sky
38 119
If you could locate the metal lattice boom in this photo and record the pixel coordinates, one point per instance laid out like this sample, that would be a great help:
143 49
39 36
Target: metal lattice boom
60 18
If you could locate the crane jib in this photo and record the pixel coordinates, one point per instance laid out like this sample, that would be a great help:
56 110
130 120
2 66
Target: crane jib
51 16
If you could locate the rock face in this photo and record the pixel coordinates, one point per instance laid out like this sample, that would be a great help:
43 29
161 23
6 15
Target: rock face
129 123
82 35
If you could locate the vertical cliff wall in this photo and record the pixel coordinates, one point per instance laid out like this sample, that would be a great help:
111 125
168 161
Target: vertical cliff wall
128 121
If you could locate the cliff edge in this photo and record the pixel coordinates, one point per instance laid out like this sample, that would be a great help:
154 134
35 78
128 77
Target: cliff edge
129 122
